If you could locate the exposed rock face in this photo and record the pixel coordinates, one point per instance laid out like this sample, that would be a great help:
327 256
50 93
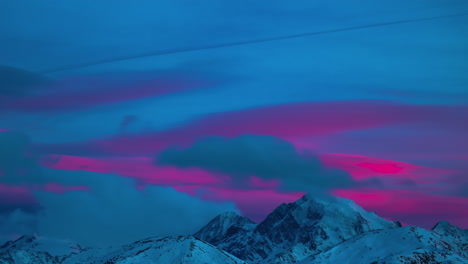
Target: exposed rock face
456 237
222 224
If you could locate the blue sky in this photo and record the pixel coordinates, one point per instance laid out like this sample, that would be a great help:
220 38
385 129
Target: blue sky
387 102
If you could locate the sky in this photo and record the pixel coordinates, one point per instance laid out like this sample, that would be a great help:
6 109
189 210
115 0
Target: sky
116 151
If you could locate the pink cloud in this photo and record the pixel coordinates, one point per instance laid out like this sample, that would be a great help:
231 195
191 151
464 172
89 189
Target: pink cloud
412 207
145 170
140 168
409 207
18 196
258 183
293 122
261 197
362 167
255 202
15 195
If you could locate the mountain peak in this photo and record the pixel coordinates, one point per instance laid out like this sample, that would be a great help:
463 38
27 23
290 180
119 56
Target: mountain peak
231 217
453 235
310 199
443 224
293 231
20 242
222 224
445 228
310 210
229 214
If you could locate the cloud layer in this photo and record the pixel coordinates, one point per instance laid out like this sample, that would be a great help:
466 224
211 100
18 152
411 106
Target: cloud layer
266 157
114 211
388 106
90 208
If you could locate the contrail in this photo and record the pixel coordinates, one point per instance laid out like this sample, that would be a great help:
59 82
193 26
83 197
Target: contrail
242 43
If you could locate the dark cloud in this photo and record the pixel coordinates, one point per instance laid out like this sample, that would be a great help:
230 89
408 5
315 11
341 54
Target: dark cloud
11 201
114 211
18 162
110 210
84 91
16 223
15 81
262 156
18 166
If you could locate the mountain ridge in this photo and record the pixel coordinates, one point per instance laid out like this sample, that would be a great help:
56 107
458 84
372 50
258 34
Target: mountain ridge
308 231
296 230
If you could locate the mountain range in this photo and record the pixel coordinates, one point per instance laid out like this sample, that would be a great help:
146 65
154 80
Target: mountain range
309 231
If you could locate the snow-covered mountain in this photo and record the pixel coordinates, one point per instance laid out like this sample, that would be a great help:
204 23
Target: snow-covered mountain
168 250
293 231
456 237
392 246
308 231
32 242
217 228
36 249
18 256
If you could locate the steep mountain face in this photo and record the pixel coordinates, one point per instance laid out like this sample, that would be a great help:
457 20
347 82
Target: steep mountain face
456 237
392 246
220 225
170 250
297 230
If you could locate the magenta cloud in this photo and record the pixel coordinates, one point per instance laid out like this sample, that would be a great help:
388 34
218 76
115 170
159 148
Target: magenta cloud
289 121
306 125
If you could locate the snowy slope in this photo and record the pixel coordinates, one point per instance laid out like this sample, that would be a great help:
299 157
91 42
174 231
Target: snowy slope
88 255
180 250
18 256
391 246
54 247
297 230
167 250
36 249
